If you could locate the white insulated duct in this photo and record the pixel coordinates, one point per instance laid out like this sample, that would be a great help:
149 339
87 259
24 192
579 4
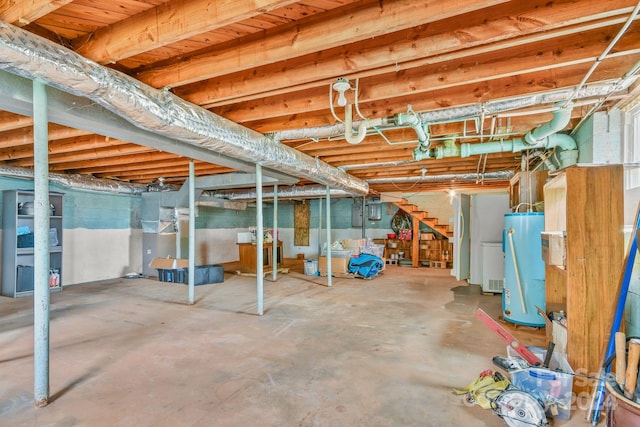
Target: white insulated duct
293 192
79 182
468 177
158 111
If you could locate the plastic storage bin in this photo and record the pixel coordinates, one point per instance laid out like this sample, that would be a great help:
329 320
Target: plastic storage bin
204 275
311 267
548 385
24 282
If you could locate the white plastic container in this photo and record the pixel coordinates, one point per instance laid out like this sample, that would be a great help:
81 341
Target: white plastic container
311 267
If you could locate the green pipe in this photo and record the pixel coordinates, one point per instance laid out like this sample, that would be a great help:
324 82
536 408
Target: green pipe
560 120
565 142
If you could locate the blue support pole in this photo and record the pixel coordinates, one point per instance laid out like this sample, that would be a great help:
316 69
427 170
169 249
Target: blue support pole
192 231
41 245
259 242
329 273
274 271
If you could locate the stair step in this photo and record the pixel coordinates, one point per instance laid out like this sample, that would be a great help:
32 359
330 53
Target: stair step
423 217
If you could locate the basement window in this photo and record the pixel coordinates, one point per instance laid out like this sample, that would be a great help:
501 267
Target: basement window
632 150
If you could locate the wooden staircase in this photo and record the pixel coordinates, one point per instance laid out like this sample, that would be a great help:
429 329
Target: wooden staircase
423 217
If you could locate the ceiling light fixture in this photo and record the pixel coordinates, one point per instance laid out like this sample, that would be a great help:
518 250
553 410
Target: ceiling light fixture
341 86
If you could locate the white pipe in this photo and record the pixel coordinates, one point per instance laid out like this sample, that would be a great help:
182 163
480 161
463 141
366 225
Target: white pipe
348 129
516 269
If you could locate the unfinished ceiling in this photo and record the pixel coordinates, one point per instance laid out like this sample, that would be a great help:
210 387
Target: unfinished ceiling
270 65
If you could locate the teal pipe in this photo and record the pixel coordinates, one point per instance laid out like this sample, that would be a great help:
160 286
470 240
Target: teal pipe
560 121
568 155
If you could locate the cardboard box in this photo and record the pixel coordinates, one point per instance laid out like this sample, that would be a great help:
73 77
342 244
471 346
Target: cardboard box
427 236
169 263
553 248
244 237
338 265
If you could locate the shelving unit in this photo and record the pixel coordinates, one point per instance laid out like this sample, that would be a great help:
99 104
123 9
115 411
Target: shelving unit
438 253
434 253
17 243
401 247
586 203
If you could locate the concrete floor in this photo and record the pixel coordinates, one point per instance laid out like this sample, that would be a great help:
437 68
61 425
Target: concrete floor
381 352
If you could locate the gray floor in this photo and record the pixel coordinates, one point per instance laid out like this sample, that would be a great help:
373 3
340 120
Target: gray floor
381 352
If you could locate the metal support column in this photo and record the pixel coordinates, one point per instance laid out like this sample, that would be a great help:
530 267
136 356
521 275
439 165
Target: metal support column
320 226
329 273
364 216
274 271
192 231
41 245
259 243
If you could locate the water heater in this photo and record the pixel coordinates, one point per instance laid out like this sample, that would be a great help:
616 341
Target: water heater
524 288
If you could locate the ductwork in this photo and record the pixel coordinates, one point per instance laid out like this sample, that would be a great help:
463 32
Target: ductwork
489 176
541 137
78 182
294 192
158 111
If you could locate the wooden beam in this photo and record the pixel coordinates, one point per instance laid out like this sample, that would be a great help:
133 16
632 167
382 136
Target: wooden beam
11 121
470 70
165 24
178 173
365 21
24 135
21 12
501 88
97 165
492 29
24 157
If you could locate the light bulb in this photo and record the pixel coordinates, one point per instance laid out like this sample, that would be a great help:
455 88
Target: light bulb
341 86
342 100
